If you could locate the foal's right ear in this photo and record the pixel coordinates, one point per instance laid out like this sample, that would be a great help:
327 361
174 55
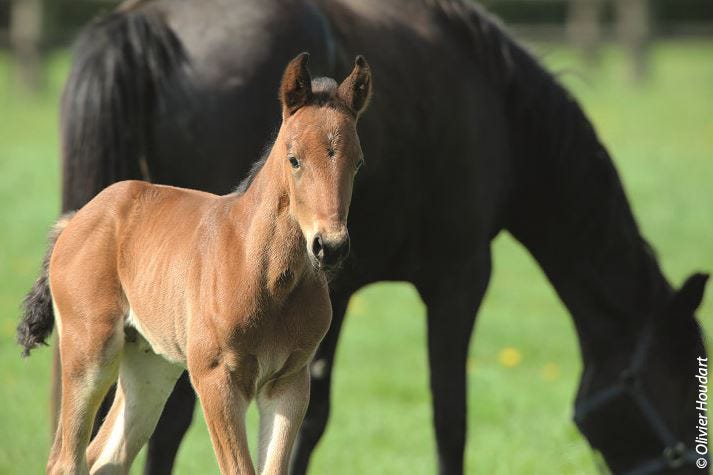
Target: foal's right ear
296 86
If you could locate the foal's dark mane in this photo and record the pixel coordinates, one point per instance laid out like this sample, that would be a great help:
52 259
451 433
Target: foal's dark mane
324 92
254 169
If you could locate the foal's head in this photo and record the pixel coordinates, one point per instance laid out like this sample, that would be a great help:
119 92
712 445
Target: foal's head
320 152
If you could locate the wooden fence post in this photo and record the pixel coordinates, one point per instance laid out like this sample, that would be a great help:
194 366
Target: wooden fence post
583 27
633 29
25 35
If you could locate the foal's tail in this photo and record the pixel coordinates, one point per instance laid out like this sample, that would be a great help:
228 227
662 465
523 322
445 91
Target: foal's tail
37 315
124 63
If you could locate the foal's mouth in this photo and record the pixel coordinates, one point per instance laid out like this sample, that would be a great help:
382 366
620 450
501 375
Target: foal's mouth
330 270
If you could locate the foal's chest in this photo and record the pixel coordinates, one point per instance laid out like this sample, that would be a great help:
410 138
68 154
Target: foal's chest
276 332
285 337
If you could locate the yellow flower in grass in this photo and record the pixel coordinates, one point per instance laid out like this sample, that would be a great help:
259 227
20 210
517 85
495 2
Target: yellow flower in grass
509 357
550 372
471 365
8 328
357 305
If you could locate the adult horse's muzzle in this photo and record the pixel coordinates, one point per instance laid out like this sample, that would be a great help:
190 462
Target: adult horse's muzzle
328 251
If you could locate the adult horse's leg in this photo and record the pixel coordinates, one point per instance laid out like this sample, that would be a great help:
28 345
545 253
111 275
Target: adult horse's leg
173 425
315 420
452 306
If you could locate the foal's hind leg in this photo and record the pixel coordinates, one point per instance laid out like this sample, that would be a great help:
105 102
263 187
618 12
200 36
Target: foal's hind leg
89 367
145 381
171 428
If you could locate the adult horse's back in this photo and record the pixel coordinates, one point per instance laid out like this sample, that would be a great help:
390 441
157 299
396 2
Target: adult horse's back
467 135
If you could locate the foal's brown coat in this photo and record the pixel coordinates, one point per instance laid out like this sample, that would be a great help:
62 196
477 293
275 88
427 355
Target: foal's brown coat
149 279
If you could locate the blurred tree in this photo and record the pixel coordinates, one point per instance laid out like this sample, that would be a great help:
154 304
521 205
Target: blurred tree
633 20
633 29
25 36
583 27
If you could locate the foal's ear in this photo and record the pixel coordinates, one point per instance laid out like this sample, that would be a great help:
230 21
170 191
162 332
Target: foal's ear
296 86
690 296
355 90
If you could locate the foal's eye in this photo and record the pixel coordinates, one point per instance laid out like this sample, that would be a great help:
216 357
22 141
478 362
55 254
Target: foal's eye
359 164
294 162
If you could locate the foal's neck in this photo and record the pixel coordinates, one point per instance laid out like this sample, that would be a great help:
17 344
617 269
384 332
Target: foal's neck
274 244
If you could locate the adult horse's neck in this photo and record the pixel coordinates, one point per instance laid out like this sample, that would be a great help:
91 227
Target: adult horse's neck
274 244
570 210
568 206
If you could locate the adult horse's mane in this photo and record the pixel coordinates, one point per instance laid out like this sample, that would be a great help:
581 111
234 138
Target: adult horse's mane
484 35
556 145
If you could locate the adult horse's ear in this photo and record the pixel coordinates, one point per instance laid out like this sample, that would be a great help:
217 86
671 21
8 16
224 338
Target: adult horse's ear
355 90
690 295
296 86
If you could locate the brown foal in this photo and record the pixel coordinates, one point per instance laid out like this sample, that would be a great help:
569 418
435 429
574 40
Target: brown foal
147 280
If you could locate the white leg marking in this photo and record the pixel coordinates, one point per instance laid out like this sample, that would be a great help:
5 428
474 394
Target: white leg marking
281 415
318 368
57 319
145 382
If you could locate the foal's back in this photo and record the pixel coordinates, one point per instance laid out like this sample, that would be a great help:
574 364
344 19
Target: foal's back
133 250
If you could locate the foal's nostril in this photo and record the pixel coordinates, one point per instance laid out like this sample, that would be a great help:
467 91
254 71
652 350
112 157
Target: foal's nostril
342 250
318 247
329 252
335 251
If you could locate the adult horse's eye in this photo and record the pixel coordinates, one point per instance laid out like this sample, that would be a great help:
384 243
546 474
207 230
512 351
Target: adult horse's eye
359 164
294 162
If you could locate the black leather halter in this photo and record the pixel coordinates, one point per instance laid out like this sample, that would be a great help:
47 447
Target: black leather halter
675 454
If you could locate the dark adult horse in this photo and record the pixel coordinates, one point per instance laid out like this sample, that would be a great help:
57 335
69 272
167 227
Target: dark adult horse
467 136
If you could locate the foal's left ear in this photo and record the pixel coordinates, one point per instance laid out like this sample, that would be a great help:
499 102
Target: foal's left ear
296 86
690 296
355 90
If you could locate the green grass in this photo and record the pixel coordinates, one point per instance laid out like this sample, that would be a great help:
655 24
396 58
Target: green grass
524 363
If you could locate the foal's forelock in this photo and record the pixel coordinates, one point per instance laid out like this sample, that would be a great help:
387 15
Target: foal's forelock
324 90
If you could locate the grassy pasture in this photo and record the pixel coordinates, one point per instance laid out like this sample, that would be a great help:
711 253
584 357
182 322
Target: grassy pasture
524 364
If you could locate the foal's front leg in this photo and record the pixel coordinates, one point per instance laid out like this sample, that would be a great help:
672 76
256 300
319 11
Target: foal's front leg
282 404
224 394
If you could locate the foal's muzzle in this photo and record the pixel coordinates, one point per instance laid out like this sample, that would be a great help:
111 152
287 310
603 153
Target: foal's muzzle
328 251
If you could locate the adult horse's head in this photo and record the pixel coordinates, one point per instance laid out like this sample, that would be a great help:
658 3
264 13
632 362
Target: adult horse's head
320 147
641 406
